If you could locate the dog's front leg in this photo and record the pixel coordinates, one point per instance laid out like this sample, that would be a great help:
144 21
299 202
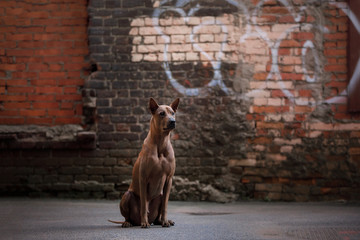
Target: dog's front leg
144 204
164 202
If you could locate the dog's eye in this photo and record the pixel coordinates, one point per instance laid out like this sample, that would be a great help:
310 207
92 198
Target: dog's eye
172 113
162 114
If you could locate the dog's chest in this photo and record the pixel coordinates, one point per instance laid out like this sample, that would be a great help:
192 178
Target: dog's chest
166 165
160 172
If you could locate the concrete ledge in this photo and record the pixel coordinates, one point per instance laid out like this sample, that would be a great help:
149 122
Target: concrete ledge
32 136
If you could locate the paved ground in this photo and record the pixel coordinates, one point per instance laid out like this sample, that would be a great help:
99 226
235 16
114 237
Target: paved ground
87 219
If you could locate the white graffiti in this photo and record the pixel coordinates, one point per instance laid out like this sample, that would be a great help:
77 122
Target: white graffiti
250 29
216 63
310 45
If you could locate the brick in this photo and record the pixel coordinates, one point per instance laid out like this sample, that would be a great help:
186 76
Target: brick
98 170
59 44
68 120
132 3
52 75
12 121
45 22
73 36
183 30
285 19
19 37
70 90
55 67
16 105
269 125
276 157
270 109
48 52
48 90
31 44
260 76
13 98
150 57
137 57
17 83
32 113
12 67
41 97
347 127
335 36
208 47
206 38
303 109
242 163
20 52
67 105
335 68
283 27
39 121
20 90
46 105
335 52
290 60
123 170
69 97
77 13
74 52
305 93
57 29
191 56
35 14
145 31
178 21
303 35
29 29
37 66
74 22
138 22
321 126
178 48
261 140
74 66
62 113
262 187
150 40
178 56
150 48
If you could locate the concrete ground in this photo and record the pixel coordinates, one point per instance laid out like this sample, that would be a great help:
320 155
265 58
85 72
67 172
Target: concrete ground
87 219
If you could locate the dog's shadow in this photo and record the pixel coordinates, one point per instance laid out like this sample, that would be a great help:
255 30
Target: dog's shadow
136 227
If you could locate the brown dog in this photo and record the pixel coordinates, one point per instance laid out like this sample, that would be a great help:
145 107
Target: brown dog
146 200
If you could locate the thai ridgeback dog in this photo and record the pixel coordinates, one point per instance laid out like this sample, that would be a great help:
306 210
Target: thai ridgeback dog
146 200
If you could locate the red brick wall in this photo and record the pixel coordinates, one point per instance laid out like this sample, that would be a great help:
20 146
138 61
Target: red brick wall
262 85
43 49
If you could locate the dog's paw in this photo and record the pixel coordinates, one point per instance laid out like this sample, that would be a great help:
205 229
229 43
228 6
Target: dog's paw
126 225
145 225
168 223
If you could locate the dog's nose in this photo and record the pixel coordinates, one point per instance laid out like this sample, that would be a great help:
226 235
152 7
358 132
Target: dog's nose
171 123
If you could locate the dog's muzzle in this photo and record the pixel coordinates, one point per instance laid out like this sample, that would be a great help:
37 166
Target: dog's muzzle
171 124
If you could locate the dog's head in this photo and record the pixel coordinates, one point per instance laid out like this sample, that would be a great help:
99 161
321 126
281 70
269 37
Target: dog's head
164 115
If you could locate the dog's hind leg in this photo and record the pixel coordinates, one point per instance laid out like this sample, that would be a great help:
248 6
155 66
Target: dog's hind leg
130 209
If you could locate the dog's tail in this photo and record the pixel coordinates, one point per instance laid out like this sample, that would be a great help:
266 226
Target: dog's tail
116 222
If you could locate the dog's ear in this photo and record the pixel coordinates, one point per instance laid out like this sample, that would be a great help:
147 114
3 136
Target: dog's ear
153 106
175 104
